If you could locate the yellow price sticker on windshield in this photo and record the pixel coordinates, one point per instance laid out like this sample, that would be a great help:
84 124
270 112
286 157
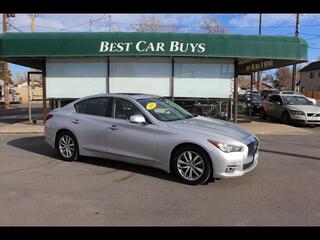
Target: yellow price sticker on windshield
151 106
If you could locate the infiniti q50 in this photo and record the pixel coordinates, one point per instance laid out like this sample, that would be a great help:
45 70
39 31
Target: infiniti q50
154 131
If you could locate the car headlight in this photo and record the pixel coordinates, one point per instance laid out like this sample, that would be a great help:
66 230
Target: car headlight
227 147
297 112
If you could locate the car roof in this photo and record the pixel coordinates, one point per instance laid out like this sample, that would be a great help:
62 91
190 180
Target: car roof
287 95
128 95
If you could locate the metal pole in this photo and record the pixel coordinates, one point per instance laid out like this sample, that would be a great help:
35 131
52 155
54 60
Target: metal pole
108 75
294 68
172 79
29 99
235 92
250 111
5 67
259 73
44 93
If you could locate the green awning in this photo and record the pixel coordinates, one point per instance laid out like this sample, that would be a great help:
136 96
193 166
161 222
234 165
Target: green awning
253 52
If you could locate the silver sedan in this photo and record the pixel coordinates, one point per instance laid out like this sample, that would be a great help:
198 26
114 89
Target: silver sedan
153 131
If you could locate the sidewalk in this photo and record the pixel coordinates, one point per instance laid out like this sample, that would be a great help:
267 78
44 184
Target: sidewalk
255 127
22 128
271 128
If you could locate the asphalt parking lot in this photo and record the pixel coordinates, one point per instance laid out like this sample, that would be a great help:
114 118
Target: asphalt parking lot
36 188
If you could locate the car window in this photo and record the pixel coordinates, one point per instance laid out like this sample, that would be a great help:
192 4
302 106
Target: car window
96 106
272 99
124 109
164 109
278 99
296 100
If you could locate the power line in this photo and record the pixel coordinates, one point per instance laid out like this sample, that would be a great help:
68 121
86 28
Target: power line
14 27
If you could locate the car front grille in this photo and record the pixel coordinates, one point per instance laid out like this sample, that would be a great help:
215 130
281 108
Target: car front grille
313 114
252 147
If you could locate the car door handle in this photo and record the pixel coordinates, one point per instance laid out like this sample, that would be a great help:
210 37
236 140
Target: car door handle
114 127
75 121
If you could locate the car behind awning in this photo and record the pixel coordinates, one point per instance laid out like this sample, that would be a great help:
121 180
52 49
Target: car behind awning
253 52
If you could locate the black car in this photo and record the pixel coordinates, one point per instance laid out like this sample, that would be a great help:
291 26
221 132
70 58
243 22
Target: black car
256 103
266 93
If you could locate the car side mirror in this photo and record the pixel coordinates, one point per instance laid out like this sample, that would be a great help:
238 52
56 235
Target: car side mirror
278 103
137 119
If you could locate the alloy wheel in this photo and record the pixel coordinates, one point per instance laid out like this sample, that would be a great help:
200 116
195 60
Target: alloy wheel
66 146
190 165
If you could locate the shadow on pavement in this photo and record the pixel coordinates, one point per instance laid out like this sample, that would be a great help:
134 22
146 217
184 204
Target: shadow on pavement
37 144
290 154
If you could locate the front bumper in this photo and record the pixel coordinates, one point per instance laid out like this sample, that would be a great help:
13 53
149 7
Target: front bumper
239 162
305 120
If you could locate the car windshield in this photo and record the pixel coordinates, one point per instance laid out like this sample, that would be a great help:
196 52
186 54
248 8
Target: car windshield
295 93
255 97
295 100
164 110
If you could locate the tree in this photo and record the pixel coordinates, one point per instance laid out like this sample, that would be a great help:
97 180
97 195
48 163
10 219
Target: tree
244 82
211 25
154 24
268 78
283 78
21 77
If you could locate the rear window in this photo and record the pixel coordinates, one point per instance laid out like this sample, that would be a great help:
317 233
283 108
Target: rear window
97 106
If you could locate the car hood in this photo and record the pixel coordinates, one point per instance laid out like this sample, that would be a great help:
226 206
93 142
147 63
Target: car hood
207 126
305 108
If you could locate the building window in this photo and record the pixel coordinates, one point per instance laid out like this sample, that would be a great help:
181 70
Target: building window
311 75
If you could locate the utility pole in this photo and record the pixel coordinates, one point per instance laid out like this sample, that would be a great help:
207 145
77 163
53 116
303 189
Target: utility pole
30 95
5 66
32 22
90 24
259 73
294 68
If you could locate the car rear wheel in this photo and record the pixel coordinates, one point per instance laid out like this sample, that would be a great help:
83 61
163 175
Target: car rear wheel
191 165
67 146
285 118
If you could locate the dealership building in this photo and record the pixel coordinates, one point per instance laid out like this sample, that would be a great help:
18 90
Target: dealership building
175 65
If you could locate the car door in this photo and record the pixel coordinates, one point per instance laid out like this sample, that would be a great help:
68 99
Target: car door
131 140
277 107
90 123
270 109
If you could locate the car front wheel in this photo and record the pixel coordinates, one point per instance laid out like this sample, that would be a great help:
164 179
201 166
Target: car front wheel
67 146
191 165
285 118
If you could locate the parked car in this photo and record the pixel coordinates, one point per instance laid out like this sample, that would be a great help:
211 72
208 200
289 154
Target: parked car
314 101
290 108
255 103
253 92
265 93
153 131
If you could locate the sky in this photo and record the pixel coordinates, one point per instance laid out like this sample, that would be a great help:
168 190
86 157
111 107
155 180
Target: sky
272 24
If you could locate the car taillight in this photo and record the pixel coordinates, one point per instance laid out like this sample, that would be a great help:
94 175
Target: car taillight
48 117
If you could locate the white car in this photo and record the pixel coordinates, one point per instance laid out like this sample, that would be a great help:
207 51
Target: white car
314 101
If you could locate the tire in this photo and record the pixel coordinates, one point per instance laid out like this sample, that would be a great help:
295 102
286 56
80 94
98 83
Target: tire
67 141
285 118
200 160
263 114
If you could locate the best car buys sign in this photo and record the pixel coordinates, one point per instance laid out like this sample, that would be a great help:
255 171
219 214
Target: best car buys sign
147 47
